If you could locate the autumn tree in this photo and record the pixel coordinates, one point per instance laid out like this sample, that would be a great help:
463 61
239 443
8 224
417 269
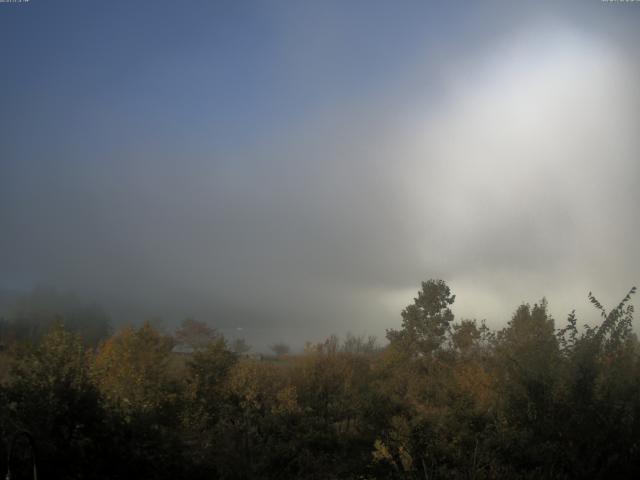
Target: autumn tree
206 398
195 334
258 437
437 390
207 375
51 395
601 383
131 366
144 402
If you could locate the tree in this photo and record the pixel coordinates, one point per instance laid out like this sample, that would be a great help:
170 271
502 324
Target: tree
528 381
467 336
195 334
51 395
426 322
144 403
600 382
207 398
131 368
358 344
207 372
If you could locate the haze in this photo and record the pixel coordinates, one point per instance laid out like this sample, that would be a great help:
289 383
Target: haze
295 169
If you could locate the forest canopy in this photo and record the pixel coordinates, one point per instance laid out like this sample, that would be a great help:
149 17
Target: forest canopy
445 398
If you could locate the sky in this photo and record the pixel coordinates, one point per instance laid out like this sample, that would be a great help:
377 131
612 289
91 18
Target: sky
291 169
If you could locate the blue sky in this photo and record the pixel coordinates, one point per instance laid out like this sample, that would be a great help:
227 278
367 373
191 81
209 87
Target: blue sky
305 164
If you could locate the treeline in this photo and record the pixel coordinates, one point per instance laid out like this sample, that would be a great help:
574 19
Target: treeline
27 317
445 399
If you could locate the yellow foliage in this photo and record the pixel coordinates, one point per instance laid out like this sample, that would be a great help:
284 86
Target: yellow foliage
130 367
